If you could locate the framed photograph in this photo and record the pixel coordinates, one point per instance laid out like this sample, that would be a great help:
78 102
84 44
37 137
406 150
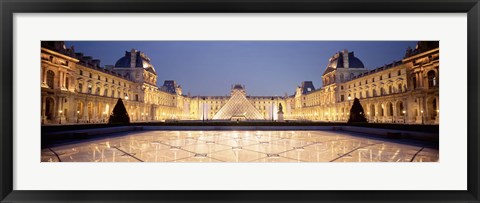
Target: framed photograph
255 101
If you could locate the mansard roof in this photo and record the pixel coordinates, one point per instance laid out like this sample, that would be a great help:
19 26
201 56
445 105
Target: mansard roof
337 61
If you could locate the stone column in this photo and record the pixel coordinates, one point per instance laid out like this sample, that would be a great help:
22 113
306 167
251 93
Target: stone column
44 118
95 113
421 79
60 116
394 113
406 109
85 111
44 77
60 79
437 118
417 79
63 81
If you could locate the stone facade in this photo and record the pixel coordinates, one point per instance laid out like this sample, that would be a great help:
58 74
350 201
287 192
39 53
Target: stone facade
405 91
75 89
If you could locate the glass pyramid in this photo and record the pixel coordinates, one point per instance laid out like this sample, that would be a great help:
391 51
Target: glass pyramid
238 106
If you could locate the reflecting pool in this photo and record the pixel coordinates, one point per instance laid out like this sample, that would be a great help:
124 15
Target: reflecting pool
240 146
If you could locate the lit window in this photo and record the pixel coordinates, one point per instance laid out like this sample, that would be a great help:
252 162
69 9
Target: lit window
50 78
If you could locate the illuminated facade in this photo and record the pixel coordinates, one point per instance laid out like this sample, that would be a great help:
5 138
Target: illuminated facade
405 91
75 89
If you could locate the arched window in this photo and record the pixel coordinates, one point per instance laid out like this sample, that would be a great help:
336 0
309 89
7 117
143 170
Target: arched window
434 108
105 92
80 87
414 81
432 79
50 78
113 93
399 87
390 91
390 109
89 89
97 91
400 108
67 83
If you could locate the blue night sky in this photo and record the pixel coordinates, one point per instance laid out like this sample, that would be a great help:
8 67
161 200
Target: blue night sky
266 68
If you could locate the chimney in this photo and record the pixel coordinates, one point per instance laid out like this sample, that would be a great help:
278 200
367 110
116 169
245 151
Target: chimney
79 55
133 58
96 63
345 58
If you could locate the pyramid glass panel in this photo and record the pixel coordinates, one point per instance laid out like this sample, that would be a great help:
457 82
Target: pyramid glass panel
238 106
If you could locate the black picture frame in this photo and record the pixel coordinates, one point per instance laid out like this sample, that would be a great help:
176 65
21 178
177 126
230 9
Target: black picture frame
10 7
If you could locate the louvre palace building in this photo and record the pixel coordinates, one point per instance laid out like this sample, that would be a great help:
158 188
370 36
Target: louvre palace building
75 88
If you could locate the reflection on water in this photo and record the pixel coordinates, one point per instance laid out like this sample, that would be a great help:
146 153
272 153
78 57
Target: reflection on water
239 146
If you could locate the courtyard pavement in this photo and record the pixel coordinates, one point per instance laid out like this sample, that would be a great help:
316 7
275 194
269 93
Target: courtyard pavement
241 146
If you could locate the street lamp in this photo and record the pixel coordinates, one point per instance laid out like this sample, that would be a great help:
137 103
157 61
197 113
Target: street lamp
349 99
422 116
272 108
103 116
404 115
142 116
60 120
78 116
203 109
